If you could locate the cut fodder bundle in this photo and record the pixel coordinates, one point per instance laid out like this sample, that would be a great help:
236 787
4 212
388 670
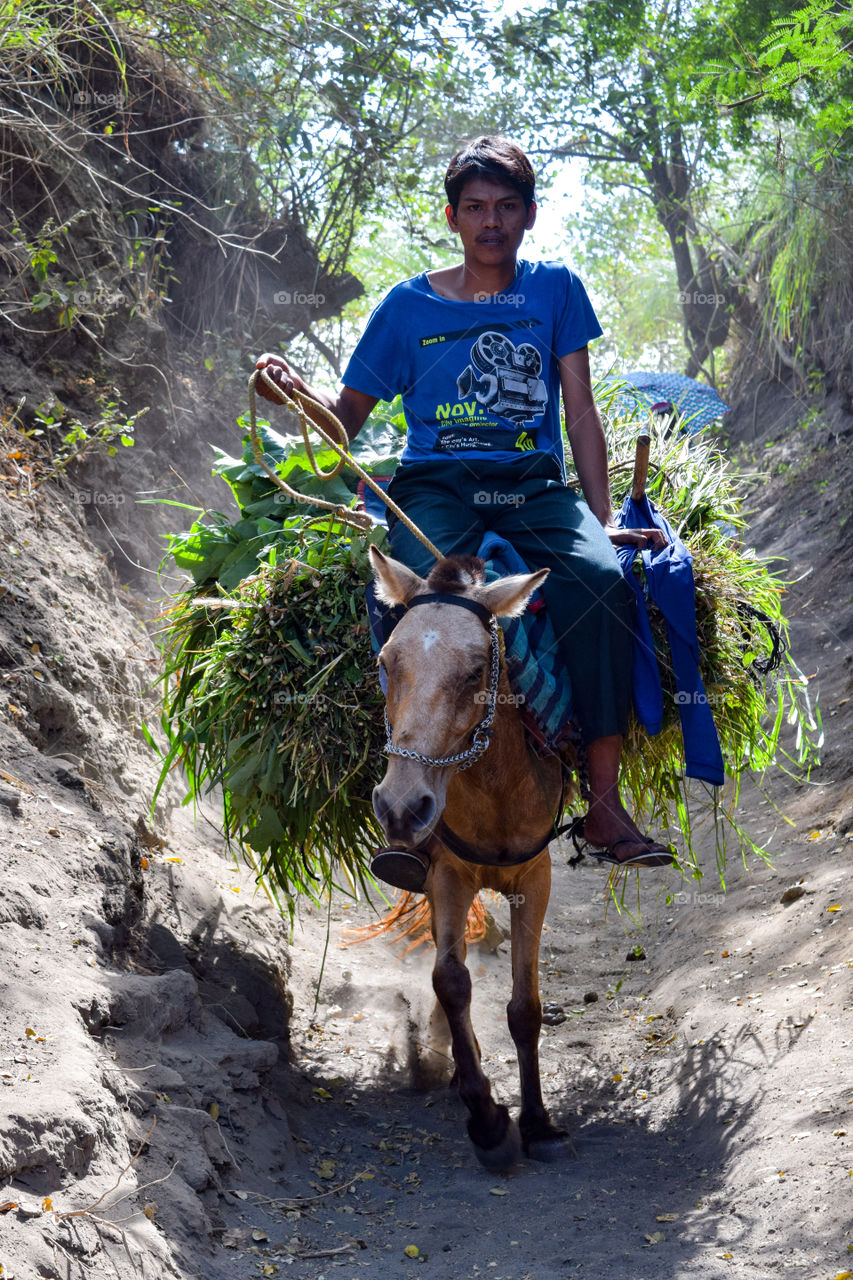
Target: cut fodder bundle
759 697
272 696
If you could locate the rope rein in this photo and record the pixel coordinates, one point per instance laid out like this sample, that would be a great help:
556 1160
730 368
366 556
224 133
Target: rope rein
298 403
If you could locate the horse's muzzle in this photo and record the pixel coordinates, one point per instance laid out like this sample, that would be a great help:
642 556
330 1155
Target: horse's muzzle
407 814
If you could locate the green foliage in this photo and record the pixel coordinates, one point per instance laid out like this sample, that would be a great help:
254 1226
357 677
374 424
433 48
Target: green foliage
219 553
70 440
273 698
270 692
809 49
331 100
624 260
796 257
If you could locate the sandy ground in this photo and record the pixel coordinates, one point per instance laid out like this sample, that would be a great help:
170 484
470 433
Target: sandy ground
707 1086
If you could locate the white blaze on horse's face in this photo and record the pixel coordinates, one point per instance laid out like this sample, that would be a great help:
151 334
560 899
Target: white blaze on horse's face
437 663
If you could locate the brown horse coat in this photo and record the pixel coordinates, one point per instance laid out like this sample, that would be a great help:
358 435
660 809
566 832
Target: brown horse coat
503 806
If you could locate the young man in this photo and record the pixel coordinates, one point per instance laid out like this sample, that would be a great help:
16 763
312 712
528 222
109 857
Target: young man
482 352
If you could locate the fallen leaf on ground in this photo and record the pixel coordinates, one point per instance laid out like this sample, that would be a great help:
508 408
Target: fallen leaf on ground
667 1217
411 1251
655 1238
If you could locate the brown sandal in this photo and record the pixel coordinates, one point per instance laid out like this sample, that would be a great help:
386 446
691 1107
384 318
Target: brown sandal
656 855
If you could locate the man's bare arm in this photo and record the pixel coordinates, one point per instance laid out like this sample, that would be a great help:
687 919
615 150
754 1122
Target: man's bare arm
353 408
589 449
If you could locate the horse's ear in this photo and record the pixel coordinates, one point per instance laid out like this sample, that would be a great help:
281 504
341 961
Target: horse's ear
395 584
507 597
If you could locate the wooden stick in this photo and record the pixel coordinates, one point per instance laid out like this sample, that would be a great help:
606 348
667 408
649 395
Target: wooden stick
641 468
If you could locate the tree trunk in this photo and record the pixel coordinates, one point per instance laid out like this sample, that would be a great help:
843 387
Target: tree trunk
704 303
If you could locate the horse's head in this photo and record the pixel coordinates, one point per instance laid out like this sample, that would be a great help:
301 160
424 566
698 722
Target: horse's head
441 665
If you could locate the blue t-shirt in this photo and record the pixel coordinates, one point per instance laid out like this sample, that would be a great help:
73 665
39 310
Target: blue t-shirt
478 379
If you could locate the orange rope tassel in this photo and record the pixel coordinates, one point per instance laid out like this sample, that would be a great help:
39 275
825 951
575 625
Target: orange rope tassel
408 922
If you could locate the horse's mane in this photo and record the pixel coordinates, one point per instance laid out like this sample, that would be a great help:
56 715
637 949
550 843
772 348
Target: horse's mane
456 574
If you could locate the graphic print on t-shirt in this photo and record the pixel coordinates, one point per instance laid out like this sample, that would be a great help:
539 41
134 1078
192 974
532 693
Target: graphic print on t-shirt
505 378
477 378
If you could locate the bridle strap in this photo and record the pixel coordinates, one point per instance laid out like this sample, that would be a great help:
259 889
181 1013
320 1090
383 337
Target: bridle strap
469 853
447 597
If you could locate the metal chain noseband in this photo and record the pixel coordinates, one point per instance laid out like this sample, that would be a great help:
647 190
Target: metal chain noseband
482 733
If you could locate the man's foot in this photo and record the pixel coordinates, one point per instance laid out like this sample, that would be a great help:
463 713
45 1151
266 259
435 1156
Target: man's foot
646 853
615 839
401 868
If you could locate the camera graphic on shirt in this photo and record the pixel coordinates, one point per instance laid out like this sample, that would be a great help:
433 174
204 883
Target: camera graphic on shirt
505 378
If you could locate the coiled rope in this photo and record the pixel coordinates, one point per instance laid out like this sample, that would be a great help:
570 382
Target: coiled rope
298 403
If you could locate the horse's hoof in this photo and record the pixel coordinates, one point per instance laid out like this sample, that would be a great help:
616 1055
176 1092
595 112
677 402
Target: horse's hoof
552 1148
507 1152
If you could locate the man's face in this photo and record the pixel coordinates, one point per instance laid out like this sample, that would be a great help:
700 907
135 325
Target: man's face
491 219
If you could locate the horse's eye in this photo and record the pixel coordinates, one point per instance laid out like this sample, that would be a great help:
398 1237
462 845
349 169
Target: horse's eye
476 676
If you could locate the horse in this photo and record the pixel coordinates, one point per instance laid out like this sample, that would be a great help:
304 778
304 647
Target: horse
485 814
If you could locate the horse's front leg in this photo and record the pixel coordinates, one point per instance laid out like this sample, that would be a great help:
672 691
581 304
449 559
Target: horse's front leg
528 900
490 1128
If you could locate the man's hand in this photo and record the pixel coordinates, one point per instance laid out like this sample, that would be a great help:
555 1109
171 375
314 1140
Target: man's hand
655 538
352 408
280 372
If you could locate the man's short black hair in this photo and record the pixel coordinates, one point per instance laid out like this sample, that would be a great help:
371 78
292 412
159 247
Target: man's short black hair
494 158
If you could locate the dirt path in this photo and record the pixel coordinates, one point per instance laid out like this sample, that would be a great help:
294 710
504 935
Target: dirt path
707 1089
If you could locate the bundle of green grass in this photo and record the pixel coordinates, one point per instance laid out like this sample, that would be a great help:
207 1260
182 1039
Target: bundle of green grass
271 692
